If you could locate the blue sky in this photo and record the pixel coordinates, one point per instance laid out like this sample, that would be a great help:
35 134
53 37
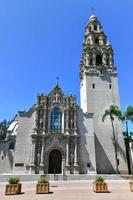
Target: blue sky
42 39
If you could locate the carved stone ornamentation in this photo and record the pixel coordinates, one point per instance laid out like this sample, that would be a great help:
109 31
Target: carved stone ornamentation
56 121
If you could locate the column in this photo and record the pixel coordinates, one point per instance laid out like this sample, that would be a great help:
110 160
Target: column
75 152
75 119
35 123
44 121
76 167
67 121
67 152
94 59
42 152
33 151
104 59
67 166
62 125
110 60
87 60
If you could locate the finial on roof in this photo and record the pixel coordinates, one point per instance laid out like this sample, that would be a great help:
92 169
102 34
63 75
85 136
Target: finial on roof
93 11
57 80
93 16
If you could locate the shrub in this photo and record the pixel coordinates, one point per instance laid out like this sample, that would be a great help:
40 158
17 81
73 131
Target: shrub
13 180
99 179
43 179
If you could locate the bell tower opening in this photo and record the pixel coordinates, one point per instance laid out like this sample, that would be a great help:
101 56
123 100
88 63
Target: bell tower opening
98 60
55 162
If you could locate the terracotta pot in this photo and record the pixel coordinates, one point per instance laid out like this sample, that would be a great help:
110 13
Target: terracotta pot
13 189
42 188
131 186
100 187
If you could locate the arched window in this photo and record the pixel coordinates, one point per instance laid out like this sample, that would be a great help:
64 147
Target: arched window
56 120
98 60
96 40
95 27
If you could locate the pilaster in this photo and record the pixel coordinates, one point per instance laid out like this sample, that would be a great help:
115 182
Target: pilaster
42 152
76 166
67 166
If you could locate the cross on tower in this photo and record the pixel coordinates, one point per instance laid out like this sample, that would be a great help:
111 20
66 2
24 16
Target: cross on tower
57 80
93 10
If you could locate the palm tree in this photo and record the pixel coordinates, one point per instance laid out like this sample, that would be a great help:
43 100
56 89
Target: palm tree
113 112
128 116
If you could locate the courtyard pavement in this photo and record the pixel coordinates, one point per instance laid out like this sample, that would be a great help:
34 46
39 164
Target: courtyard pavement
71 190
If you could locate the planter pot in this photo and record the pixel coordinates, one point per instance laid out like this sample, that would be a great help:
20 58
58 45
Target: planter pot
42 188
100 187
131 186
13 189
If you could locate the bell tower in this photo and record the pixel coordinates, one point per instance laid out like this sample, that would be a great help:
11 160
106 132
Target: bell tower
98 75
98 90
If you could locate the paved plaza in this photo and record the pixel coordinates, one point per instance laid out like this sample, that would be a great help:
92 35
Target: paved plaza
72 190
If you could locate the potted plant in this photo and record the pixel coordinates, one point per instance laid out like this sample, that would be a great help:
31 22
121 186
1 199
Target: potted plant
99 185
131 185
14 187
42 186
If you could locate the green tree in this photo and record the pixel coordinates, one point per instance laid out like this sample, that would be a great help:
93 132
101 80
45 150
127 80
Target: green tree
113 112
128 116
3 129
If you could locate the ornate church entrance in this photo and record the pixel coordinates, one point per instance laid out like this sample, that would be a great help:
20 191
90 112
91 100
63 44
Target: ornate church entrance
55 162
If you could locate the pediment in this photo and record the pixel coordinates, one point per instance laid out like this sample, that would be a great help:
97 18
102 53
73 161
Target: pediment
56 91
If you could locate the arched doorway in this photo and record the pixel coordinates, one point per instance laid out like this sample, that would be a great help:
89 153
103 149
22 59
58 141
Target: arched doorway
55 162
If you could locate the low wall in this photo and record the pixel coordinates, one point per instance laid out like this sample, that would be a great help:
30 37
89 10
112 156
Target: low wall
52 177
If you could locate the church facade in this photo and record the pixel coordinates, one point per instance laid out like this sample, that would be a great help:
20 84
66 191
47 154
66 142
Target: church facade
56 136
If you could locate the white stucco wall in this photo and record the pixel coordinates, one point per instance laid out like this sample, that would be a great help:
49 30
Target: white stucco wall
26 123
87 145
